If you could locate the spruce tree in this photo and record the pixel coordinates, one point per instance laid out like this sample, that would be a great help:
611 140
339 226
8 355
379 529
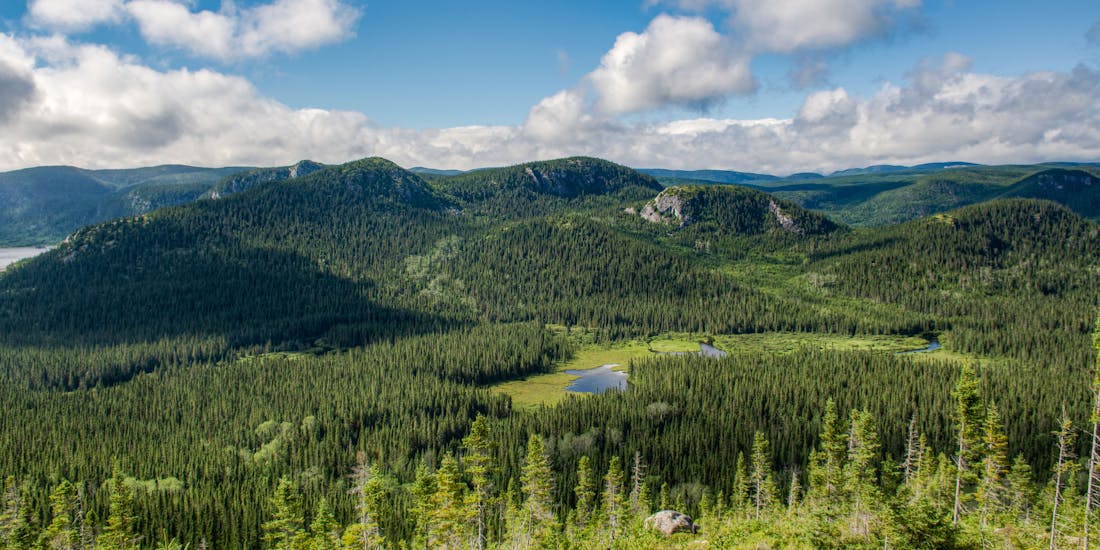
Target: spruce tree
285 529
994 467
760 477
120 532
613 504
59 534
967 415
538 493
448 519
324 529
585 492
478 460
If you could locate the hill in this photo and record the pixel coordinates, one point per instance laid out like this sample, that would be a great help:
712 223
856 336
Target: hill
730 209
40 206
538 188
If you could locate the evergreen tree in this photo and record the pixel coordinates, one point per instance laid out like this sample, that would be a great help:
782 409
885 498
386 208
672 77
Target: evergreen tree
613 505
992 487
478 460
740 496
285 529
538 493
967 414
120 532
1021 488
324 529
447 528
760 478
59 534
423 491
585 492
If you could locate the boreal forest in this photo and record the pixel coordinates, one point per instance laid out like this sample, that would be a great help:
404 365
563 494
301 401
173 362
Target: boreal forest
559 354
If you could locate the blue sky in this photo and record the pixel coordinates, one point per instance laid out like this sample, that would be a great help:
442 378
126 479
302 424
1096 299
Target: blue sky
741 84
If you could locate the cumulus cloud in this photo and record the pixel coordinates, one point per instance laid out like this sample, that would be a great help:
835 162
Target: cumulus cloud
792 25
73 15
676 60
90 107
281 26
1093 35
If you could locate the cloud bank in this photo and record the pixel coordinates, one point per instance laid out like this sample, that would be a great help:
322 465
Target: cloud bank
67 103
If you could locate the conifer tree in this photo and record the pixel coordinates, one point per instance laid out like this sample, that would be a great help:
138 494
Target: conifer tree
740 496
448 520
761 473
285 529
1021 488
423 490
585 491
994 467
324 529
478 460
119 533
538 493
59 534
967 414
613 499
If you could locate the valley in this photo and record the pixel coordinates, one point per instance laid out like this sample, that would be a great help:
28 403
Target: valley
247 351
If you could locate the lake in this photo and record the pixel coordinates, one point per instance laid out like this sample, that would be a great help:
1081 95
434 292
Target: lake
9 256
597 380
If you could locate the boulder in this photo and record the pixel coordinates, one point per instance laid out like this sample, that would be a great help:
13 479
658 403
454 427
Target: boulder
671 521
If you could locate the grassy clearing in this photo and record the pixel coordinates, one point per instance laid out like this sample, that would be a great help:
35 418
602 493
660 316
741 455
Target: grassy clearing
787 342
549 389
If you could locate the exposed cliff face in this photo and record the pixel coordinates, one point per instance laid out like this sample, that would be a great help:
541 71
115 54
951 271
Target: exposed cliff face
238 183
733 210
667 207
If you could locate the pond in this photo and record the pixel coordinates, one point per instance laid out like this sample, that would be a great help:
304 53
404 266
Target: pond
597 380
9 256
933 345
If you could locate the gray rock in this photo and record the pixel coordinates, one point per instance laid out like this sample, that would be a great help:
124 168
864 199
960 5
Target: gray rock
671 521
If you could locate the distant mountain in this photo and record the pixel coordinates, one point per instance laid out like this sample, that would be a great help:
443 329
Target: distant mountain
716 176
420 170
892 197
1077 189
43 205
889 168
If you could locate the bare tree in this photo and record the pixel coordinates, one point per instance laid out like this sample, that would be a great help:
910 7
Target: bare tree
1062 469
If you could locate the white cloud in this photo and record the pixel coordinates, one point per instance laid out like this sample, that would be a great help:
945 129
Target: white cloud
281 26
73 15
793 25
87 106
676 60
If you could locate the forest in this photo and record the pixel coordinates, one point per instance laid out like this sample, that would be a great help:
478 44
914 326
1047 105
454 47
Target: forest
313 360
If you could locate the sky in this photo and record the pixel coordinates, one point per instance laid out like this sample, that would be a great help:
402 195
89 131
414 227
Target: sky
774 86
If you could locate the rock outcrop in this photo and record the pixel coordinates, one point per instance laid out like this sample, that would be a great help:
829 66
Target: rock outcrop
669 522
